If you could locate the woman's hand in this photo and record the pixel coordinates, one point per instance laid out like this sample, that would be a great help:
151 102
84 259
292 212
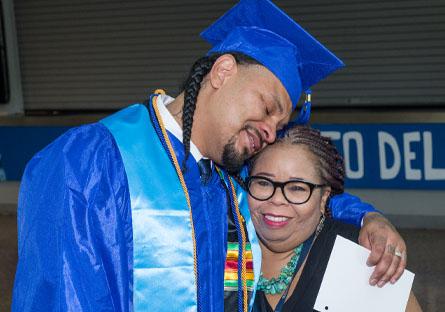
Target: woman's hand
388 249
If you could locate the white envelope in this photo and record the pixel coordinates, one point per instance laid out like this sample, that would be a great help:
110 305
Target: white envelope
345 286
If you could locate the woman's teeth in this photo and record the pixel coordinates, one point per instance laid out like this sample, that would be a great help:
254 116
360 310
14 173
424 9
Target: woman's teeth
275 219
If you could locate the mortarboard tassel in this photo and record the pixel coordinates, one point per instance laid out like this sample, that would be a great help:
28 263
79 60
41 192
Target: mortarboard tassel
305 112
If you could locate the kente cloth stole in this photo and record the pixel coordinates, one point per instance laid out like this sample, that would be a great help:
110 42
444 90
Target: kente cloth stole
238 271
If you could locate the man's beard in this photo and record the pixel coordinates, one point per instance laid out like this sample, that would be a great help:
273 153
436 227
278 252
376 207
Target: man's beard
232 160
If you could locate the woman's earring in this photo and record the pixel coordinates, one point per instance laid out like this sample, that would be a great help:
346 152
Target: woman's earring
320 225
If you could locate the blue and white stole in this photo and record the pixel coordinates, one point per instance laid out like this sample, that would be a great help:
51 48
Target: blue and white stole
164 261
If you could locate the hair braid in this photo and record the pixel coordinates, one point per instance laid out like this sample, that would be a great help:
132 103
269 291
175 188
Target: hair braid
191 89
331 163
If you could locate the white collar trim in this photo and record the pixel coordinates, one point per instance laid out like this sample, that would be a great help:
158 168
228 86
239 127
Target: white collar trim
172 125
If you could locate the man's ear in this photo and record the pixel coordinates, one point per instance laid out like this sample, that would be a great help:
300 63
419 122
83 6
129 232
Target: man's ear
324 198
224 67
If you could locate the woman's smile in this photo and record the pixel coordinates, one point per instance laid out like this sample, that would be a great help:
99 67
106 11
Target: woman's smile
274 221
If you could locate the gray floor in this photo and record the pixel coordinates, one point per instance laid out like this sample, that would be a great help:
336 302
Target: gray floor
426 258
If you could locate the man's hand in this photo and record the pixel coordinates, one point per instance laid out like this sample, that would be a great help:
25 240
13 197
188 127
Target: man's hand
388 249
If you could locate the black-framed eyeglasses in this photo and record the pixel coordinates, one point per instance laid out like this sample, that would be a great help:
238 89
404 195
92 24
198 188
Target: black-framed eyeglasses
295 191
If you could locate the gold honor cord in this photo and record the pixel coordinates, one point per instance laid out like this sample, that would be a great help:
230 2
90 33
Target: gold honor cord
181 178
243 237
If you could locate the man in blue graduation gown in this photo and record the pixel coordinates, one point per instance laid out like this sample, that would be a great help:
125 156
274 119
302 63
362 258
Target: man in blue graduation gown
141 211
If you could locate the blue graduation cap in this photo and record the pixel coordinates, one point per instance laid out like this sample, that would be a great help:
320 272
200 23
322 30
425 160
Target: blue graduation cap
261 30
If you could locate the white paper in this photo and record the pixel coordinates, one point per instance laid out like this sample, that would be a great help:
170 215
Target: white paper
345 286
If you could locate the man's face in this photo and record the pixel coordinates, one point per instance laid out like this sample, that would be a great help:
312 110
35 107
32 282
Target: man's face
243 114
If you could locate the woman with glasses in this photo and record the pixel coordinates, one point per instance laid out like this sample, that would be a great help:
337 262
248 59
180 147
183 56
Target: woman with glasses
290 183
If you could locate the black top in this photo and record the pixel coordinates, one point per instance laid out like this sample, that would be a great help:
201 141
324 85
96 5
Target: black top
305 293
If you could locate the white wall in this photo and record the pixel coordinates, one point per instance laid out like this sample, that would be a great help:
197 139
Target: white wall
408 208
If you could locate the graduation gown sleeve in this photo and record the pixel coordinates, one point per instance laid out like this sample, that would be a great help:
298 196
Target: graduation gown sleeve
74 227
349 209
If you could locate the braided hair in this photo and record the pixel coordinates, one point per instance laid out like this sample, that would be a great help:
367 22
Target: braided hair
330 162
191 88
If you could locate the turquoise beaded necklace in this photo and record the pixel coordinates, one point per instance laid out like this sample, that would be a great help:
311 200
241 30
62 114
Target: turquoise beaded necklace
277 285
